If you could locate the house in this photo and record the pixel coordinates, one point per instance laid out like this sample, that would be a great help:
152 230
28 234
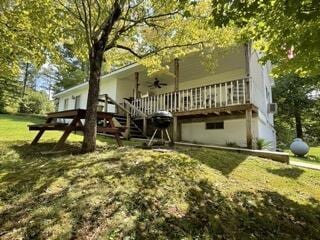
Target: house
231 104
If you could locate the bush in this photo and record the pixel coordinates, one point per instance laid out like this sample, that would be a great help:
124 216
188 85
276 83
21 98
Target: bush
232 144
36 102
262 143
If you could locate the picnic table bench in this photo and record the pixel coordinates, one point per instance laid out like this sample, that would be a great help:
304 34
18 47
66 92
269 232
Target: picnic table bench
74 124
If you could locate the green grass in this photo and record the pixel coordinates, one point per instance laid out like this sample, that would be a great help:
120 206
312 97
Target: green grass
131 193
312 157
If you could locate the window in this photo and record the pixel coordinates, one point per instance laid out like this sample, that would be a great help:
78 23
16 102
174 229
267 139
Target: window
66 104
267 95
77 102
215 125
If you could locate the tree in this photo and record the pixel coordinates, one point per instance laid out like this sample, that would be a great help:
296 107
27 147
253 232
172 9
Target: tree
111 32
71 70
9 91
294 97
25 44
142 29
36 102
287 32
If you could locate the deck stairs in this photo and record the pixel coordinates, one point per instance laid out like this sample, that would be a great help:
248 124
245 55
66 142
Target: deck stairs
135 130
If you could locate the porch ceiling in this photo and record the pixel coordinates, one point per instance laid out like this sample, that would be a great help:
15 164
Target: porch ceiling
192 67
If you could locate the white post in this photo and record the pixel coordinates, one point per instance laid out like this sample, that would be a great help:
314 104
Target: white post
226 93
244 91
196 97
205 97
171 104
220 96
210 96
191 98
231 93
238 94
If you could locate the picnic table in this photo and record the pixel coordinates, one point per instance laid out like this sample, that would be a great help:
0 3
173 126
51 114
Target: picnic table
74 124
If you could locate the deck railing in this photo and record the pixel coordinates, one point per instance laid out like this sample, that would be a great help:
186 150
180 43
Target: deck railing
235 92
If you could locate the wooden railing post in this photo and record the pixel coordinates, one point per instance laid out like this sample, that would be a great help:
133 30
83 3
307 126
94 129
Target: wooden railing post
248 92
175 129
106 103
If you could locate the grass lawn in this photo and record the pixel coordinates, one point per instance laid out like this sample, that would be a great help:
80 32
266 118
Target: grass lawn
312 157
131 193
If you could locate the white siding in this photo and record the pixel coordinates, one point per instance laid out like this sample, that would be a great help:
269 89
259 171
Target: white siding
71 96
267 132
261 84
109 86
193 74
261 97
234 131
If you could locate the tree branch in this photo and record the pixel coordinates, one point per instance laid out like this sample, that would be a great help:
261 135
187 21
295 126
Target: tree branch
135 23
140 56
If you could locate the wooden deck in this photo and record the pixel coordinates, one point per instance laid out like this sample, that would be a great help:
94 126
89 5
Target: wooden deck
221 97
218 111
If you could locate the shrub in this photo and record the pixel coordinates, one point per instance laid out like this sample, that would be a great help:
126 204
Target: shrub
262 143
35 102
232 144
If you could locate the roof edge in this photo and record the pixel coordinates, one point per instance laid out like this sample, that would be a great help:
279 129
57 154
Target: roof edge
119 70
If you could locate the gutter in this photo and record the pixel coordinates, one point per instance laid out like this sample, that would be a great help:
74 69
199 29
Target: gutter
117 71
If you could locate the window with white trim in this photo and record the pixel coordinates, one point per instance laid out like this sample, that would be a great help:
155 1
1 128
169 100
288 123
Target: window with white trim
66 104
77 102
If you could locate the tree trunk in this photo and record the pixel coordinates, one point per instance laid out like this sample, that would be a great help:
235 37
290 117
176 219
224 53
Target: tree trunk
90 126
25 80
298 121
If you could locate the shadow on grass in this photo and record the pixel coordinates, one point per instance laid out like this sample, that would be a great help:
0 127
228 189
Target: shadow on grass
265 215
224 162
28 180
114 197
287 172
309 158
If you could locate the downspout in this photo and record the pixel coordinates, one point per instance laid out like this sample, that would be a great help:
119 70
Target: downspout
249 129
247 52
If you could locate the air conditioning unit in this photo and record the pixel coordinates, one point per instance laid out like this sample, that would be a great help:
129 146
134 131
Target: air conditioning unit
272 108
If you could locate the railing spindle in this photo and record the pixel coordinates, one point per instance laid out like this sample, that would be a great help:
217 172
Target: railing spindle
238 95
244 91
215 95
210 96
202 97
226 93
220 95
171 103
231 92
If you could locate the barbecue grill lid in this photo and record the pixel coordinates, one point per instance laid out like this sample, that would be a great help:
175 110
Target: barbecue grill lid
162 114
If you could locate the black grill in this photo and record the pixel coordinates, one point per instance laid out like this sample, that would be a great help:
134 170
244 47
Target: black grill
161 119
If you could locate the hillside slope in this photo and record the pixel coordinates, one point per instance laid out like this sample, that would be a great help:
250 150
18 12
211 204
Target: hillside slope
131 193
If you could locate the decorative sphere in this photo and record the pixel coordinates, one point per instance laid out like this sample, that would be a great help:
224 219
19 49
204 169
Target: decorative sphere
299 147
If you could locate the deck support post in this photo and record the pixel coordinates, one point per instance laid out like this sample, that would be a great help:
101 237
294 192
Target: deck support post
177 74
249 128
176 136
137 84
144 130
128 126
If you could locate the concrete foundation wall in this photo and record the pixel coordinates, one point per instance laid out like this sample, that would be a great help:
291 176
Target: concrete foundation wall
234 131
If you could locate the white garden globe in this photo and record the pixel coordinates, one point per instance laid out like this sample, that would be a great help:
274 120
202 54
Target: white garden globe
299 147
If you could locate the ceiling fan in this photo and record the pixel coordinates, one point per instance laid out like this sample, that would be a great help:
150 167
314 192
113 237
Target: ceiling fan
157 84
